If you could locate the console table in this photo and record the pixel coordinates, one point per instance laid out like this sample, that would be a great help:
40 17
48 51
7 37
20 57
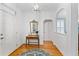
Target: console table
32 37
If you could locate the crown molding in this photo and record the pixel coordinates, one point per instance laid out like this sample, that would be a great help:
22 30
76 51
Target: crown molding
12 10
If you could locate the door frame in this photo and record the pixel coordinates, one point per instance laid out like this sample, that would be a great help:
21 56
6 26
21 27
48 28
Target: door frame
46 20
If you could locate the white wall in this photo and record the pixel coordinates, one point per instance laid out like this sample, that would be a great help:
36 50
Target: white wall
19 27
74 30
60 39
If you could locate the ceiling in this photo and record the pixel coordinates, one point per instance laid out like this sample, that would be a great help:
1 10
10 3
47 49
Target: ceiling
27 7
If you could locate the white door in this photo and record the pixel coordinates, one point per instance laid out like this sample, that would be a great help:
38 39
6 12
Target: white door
48 30
0 32
7 34
9 42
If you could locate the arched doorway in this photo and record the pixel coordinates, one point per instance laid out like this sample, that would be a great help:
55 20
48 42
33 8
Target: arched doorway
48 29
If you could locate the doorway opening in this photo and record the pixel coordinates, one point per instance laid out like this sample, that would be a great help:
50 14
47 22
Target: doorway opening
48 30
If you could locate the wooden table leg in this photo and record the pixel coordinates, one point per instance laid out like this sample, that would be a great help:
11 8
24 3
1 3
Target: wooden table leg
28 41
38 43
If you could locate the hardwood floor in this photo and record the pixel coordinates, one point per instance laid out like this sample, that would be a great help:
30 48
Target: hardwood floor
48 46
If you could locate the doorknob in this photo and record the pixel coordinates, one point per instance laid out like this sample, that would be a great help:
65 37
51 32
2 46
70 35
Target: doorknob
1 35
2 38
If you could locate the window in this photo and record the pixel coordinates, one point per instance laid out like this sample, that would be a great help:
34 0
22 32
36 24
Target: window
61 21
60 25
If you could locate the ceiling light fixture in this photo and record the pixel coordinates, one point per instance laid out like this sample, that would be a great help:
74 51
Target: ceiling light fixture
36 11
36 6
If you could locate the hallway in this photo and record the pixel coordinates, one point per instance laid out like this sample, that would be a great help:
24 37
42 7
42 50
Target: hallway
53 26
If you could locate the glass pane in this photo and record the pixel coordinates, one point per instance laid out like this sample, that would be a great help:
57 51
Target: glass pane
58 23
62 30
58 29
62 23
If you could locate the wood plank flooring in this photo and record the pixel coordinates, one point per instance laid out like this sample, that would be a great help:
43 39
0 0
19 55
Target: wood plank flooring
48 46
